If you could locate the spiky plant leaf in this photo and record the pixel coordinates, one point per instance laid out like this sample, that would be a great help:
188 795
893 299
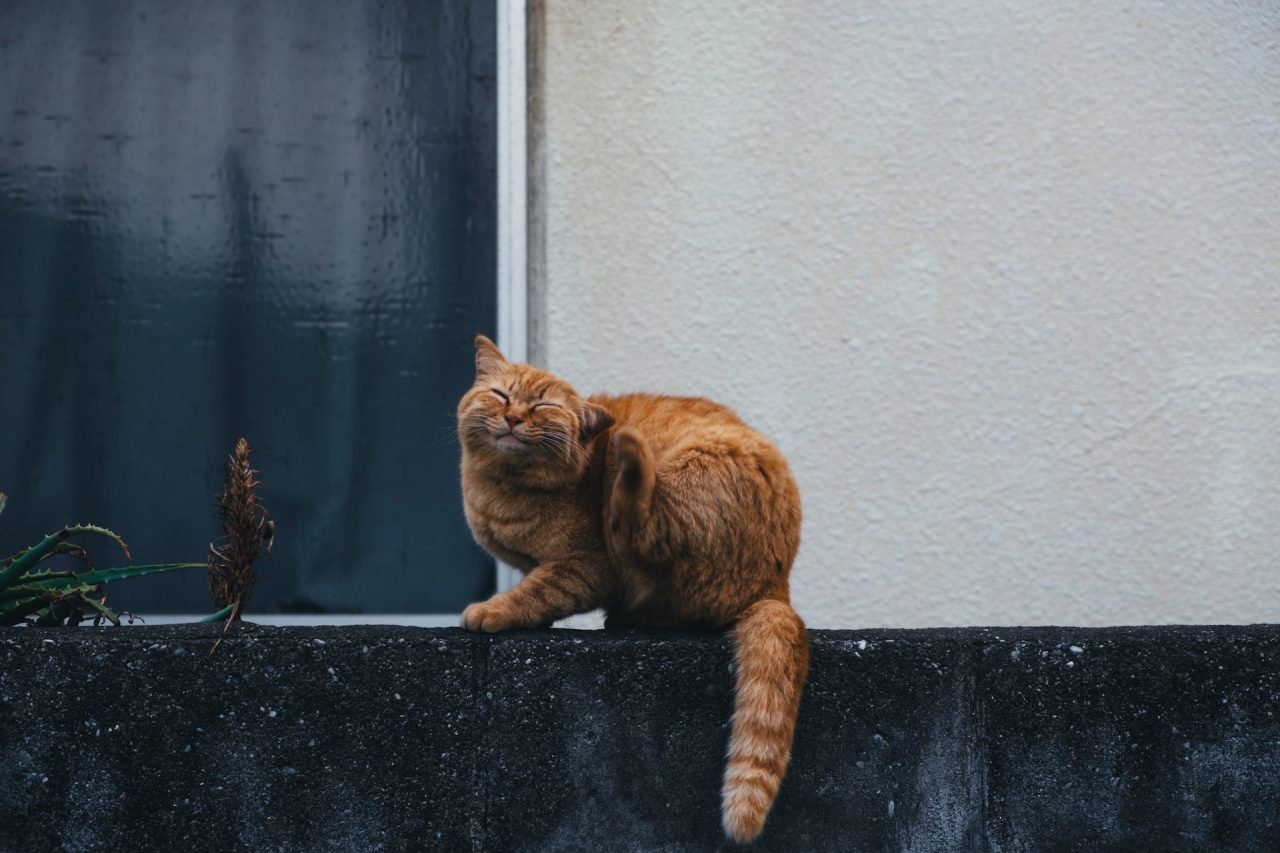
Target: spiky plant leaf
98 576
219 615
26 560
104 611
16 593
69 581
24 608
64 611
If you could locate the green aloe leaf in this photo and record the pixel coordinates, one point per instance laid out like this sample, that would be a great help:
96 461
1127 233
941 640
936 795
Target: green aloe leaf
103 610
27 559
219 615
11 596
98 576
22 610
56 614
63 581
46 585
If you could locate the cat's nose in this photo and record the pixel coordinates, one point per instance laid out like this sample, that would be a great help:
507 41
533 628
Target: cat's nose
512 420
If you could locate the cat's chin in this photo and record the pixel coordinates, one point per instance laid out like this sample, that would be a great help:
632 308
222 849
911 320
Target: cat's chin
510 443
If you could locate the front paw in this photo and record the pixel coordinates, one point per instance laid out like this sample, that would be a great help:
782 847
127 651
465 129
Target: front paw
488 617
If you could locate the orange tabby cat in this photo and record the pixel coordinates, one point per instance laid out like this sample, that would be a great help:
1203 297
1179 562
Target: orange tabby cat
664 511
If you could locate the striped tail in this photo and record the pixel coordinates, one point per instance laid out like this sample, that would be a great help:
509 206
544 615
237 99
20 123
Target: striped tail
773 660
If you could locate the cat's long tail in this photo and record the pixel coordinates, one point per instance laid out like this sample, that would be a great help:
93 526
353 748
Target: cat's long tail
772 663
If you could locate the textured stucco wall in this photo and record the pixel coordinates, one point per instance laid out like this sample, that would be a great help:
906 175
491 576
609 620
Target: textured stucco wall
1002 279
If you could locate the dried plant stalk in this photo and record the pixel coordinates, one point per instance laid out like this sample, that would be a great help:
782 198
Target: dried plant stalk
246 524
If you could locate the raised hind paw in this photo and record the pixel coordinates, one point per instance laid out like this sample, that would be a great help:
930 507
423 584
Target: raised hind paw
633 456
633 486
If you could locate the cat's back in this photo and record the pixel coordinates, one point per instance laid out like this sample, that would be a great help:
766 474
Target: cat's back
641 410
672 424
659 415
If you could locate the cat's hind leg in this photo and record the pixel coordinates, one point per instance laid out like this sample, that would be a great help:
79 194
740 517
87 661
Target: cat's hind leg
639 520
637 475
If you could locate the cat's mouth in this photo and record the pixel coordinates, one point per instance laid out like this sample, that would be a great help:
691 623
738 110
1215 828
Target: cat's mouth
510 439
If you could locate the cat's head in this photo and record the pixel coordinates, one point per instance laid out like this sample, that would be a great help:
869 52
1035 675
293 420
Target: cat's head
521 415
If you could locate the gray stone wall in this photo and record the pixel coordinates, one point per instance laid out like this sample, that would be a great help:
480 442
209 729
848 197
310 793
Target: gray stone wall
379 738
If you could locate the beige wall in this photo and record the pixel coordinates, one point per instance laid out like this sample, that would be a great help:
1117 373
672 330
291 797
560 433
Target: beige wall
1003 281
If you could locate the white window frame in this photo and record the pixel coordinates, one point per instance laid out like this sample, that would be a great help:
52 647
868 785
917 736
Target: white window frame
512 295
513 199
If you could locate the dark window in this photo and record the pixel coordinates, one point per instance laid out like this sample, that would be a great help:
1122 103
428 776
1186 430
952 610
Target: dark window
273 219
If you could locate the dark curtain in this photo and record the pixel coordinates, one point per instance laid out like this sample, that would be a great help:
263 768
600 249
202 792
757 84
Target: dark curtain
273 219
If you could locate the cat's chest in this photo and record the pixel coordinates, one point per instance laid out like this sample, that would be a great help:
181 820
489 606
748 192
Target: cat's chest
520 529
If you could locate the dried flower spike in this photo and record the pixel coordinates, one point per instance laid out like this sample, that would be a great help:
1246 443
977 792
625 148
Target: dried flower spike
245 524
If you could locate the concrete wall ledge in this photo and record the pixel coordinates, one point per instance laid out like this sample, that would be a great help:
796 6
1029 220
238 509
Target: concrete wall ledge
363 738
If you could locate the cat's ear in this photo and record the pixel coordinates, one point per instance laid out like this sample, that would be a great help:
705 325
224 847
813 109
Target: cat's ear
595 420
489 359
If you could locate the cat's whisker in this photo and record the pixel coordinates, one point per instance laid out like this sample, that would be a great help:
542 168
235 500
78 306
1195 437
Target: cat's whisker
562 442
449 438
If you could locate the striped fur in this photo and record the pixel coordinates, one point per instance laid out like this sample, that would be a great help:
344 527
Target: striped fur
772 652
664 511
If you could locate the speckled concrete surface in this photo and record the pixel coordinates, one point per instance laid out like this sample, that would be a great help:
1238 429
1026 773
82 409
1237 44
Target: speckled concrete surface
1002 279
384 738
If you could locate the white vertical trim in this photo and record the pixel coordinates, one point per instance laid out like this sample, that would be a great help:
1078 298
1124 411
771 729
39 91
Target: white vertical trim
513 189
513 199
